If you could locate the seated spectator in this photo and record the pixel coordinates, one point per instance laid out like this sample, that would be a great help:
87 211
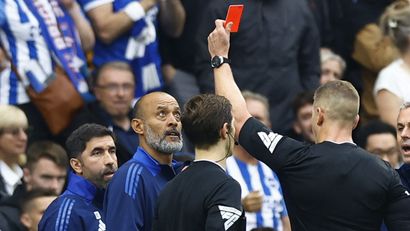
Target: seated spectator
379 138
40 38
393 83
332 66
46 167
46 170
113 87
33 206
13 141
262 197
302 126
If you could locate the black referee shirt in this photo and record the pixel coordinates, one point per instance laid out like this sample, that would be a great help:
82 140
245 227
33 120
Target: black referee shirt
202 197
330 186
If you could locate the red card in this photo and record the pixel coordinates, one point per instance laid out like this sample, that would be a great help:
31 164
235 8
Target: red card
234 15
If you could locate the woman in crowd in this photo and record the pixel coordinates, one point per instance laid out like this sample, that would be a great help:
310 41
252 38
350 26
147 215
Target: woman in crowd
13 141
393 83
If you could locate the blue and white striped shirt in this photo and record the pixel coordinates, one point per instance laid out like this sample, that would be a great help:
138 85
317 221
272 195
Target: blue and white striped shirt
21 36
259 178
138 46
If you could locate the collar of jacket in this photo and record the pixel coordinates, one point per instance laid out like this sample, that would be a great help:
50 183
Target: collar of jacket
78 185
153 165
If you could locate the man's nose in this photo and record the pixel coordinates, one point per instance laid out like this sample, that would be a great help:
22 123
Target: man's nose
405 133
55 185
109 159
172 120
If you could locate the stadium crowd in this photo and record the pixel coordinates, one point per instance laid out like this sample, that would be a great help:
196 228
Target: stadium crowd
298 121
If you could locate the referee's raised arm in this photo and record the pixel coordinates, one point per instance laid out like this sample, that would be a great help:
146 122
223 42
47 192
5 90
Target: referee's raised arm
218 46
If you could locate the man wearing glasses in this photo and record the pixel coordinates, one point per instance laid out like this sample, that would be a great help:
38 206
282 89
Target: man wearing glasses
113 85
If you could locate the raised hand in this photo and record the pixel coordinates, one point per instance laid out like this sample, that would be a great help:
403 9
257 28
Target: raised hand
218 39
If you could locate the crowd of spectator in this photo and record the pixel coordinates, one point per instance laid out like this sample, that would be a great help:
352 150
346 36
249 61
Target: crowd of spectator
137 63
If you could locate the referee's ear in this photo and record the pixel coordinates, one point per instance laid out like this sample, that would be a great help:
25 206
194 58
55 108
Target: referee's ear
356 121
320 116
224 132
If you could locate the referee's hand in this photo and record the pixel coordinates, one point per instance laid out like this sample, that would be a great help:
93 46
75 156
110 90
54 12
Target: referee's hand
252 202
218 39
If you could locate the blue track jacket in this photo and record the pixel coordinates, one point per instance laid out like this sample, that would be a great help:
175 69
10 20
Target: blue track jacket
78 208
132 193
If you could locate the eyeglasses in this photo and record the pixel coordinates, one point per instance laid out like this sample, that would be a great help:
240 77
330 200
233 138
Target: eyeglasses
113 88
14 131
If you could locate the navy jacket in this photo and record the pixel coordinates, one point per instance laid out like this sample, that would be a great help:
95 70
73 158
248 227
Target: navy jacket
132 193
78 208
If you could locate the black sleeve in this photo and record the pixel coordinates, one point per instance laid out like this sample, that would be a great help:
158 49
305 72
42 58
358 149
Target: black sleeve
397 217
225 209
273 149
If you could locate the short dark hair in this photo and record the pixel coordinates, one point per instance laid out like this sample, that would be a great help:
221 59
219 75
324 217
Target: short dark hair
371 128
29 196
48 150
77 141
203 117
301 100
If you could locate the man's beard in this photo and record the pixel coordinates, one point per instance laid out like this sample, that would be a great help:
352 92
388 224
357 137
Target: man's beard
160 144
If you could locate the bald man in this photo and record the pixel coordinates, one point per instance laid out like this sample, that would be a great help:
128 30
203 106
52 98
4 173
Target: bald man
133 192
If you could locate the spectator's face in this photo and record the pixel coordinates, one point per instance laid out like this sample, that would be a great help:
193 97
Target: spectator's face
46 175
384 145
303 123
115 91
330 71
13 141
403 134
258 110
98 162
162 124
31 218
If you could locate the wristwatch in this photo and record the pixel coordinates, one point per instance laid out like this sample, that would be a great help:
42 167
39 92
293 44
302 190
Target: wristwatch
217 61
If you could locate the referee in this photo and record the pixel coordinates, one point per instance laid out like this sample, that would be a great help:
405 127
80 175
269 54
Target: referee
204 197
333 184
